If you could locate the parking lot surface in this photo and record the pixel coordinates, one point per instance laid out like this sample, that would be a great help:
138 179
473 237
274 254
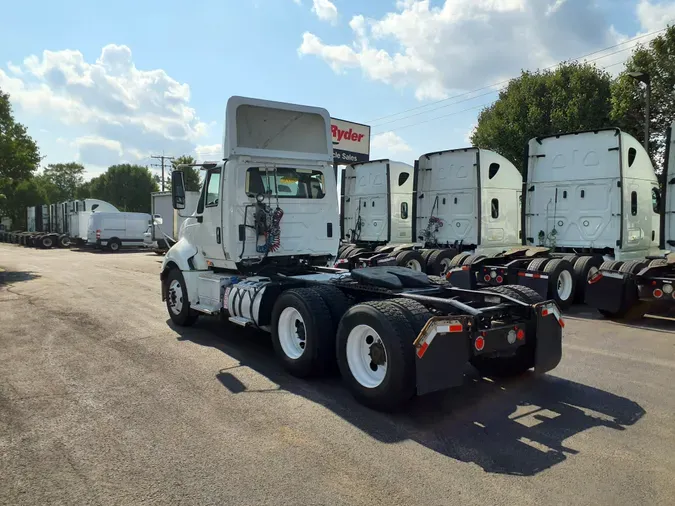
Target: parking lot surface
103 401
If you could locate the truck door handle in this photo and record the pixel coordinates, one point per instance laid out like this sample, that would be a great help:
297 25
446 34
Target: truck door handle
218 235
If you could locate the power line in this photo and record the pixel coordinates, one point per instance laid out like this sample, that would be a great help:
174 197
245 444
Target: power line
487 104
162 158
507 80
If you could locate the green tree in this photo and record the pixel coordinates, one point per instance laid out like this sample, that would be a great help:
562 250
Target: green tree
126 186
29 192
64 180
19 155
191 174
628 95
574 96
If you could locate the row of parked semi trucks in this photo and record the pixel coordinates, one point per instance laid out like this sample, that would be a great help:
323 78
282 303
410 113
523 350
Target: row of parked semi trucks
587 221
94 223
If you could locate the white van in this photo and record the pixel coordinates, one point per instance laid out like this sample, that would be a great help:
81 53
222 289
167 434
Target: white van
117 230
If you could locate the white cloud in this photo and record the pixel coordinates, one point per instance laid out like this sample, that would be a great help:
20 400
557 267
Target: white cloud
388 144
655 15
130 112
325 10
209 152
467 44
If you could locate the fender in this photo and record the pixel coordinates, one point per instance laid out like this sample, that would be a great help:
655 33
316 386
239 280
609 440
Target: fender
184 255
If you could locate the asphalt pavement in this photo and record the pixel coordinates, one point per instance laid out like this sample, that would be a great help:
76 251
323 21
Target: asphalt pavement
103 401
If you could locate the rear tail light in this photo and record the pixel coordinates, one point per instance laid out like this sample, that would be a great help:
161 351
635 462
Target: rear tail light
98 234
487 277
479 343
520 334
658 293
668 289
500 280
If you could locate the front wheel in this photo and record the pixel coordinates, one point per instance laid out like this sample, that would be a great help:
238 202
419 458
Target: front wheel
177 301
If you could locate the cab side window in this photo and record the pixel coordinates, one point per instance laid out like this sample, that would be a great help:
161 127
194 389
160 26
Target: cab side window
213 189
656 199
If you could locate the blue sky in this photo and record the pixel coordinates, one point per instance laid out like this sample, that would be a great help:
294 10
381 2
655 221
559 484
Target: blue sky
107 82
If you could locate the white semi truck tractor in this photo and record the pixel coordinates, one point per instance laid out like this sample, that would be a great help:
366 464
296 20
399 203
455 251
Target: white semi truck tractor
255 250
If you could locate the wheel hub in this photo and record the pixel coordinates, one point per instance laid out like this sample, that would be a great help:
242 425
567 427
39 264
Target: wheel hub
377 354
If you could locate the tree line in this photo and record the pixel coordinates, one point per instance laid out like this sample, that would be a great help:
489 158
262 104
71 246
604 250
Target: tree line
574 96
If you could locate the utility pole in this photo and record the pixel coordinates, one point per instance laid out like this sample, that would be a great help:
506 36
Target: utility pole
162 158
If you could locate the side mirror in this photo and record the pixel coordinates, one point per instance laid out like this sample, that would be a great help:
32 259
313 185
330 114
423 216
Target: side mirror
178 189
157 219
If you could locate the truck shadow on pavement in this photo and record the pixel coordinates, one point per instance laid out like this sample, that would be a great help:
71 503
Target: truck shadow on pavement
11 277
664 322
516 427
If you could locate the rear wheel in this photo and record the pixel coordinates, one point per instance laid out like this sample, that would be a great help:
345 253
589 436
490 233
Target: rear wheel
376 355
584 269
440 261
177 302
633 267
426 253
302 332
64 241
46 242
114 245
561 283
472 259
346 251
411 259
458 259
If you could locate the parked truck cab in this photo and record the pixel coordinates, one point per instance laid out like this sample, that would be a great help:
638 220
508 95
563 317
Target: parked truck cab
254 252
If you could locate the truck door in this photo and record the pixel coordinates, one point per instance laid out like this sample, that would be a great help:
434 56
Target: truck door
208 224
668 191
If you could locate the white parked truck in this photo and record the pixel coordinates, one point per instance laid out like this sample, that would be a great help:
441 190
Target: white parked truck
167 222
640 277
590 197
79 212
254 252
376 206
114 231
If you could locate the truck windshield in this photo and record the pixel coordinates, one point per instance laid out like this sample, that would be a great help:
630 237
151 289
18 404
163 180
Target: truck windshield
285 182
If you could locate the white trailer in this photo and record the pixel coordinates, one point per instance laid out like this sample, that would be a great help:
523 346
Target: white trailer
253 253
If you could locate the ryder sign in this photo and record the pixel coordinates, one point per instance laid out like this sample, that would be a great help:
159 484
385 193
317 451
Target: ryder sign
351 142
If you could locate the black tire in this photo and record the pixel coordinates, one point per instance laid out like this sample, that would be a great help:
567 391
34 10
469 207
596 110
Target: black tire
416 314
472 259
458 259
356 251
426 253
584 267
570 258
537 264
611 265
410 256
46 242
114 245
560 271
185 317
341 249
346 251
659 262
440 260
64 241
397 335
318 352
633 267
336 301
520 292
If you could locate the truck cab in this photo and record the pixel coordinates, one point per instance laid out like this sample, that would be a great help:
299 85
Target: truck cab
594 192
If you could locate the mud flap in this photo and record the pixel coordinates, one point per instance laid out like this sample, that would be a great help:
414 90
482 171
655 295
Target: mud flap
611 291
462 277
549 337
441 353
534 280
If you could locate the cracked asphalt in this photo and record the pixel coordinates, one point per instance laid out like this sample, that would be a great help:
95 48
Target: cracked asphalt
102 401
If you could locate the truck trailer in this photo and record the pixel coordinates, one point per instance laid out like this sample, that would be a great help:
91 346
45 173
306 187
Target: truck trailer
254 253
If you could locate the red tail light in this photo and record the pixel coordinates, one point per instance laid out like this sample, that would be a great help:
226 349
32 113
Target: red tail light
98 234
658 293
479 343
520 335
